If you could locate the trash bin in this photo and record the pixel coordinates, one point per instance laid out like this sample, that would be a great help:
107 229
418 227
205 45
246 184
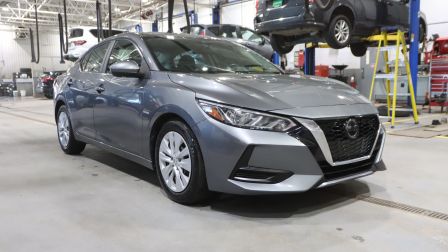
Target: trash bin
23 93
15 93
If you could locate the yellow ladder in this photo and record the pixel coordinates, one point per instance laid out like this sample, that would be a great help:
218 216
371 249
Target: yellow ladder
399 47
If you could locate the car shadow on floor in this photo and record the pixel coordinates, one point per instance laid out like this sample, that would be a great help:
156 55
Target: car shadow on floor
287 205
121 164
265 206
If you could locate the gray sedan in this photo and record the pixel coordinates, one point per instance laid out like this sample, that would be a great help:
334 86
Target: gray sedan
211 115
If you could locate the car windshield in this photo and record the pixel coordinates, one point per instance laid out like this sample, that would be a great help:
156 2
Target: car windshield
196 55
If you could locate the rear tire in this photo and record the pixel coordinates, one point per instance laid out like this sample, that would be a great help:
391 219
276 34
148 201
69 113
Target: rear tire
179 165
279 45
339 32
66 137
358 49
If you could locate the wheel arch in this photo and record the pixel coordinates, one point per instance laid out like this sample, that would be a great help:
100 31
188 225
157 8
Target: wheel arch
342 10
163 115
58 104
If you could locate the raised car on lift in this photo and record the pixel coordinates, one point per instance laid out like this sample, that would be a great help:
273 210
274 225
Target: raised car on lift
340 23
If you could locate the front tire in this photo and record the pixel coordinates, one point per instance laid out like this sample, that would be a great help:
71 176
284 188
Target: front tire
179 164
279 44
66 137
339 32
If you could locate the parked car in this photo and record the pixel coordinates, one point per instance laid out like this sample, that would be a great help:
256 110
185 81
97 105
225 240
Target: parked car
209 115
340 23
45 82
82 39
236 33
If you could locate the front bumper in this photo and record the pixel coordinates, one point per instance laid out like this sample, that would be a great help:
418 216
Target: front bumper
241 161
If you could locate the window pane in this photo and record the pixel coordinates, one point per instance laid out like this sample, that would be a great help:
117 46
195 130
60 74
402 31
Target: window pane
228 31
250 36
96 59
194 55
76 33
124 50
214 30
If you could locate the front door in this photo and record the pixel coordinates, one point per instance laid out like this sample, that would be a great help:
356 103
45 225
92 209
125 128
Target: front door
82 85
118 107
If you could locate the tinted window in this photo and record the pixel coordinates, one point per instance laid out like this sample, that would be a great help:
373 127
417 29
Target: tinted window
195 30
189 55
75 33
95 59
105 33
214 30
228 31
124 50
251 36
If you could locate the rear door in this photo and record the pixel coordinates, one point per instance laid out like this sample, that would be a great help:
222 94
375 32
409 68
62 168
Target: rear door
82 86
118 107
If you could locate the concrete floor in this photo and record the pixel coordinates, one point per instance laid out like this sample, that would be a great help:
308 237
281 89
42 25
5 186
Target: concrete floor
100 202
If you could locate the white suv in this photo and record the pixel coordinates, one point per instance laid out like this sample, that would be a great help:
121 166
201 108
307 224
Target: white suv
82 39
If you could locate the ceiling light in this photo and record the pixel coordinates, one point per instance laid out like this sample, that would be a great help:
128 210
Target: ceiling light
117 9
91 17
5 9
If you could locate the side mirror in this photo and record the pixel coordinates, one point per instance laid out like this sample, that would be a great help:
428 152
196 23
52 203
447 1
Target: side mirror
126 69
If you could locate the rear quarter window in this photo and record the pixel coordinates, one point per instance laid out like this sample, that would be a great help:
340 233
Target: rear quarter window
76 33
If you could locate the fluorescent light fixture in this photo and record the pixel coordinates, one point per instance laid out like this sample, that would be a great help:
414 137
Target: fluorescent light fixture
5 9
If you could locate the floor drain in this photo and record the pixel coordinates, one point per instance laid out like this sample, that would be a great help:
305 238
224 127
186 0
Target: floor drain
404 207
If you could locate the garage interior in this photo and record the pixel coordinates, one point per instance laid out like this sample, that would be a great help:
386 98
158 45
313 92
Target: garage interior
98 201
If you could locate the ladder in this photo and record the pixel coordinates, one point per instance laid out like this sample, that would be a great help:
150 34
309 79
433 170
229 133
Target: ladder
392 71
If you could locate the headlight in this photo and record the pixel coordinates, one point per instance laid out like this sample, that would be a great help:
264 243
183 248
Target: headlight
244 118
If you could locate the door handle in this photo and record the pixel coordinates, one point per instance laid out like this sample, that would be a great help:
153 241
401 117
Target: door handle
100 88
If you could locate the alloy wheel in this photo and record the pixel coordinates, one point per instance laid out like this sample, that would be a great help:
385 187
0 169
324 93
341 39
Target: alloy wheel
63 129
342 31
174 161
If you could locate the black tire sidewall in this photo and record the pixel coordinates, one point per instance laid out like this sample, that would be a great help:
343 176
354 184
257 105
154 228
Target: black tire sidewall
358 49
73 146
330 34
197 186
279 45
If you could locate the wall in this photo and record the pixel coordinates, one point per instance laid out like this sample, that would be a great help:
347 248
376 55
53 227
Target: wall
16 54
239 13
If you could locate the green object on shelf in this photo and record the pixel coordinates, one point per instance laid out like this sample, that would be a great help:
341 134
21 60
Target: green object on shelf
277 3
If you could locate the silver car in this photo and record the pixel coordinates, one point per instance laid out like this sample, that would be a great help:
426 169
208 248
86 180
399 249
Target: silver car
211 115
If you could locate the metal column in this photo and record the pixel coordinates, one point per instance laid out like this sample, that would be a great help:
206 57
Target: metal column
310 55
415 41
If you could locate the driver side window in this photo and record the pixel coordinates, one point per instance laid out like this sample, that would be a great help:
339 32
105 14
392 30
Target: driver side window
124 50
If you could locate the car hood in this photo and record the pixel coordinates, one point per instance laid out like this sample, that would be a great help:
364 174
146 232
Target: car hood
270 92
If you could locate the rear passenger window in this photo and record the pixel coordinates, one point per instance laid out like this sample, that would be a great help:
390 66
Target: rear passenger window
76 33
95 59
228 31
124 50
214 30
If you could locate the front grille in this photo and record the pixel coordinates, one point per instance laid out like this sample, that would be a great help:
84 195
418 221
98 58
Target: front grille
343 147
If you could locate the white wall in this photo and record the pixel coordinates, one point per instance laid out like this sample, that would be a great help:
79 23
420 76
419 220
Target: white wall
436 11
16 54
239 13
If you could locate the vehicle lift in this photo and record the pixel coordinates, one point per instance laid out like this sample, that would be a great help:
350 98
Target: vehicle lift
413 52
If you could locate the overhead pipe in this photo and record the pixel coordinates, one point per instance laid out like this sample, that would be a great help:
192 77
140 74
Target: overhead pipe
170 15
110 17
33 55
63 44
187 16
99 24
